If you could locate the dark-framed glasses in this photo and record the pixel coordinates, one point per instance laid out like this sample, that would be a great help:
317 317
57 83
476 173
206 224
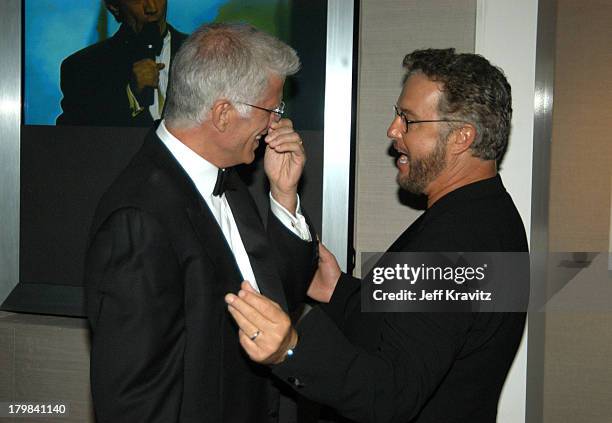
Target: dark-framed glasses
278 111
407 122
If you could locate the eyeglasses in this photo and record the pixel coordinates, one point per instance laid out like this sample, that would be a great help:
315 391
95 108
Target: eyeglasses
277 111
408 122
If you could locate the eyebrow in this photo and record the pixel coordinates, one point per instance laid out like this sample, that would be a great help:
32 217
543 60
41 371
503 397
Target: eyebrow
406 111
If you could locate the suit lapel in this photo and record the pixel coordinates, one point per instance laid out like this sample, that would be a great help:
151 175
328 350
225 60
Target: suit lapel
208 232
244 210
176 40
202 220
255 240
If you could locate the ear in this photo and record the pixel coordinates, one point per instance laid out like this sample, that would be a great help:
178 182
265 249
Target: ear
463 138
221 114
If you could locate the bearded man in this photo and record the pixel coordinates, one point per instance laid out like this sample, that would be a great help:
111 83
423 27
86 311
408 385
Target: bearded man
451 126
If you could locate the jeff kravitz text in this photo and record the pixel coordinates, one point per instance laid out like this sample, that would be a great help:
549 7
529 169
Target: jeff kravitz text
435 295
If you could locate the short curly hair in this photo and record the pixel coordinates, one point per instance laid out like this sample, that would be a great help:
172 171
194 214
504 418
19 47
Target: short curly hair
473 91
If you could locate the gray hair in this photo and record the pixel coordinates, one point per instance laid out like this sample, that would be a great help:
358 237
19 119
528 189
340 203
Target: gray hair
224 61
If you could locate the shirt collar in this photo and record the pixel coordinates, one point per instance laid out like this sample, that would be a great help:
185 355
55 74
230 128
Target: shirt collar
167 38
202 172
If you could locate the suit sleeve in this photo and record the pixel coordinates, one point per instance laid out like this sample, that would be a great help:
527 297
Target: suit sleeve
95 93
345 300
388 384
74 101
135 309
295 258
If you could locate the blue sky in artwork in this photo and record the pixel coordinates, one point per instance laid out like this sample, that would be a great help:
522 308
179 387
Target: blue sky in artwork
54 29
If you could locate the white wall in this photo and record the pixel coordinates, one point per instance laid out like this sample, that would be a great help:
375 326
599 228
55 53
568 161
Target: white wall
506 34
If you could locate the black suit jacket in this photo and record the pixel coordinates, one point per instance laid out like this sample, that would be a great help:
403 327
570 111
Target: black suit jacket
164 348
417 367
94 80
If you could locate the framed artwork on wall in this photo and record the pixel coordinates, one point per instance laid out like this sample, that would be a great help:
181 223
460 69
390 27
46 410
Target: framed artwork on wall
71 142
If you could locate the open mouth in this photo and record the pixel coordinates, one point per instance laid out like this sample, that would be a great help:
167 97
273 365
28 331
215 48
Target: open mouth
401 156
398 150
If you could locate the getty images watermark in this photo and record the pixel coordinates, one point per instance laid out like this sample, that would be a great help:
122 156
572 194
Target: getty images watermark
447 282
486 282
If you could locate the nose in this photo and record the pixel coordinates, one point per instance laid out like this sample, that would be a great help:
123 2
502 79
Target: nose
395 128
274 117
150 7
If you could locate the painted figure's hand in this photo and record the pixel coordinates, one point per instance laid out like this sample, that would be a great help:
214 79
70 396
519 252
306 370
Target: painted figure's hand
145 74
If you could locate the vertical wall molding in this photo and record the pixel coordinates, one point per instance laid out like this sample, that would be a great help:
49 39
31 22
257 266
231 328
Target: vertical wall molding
337 128
542 135
10 122
506 34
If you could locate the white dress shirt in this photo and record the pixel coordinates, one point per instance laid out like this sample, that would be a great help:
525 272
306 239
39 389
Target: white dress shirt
204 176
164 57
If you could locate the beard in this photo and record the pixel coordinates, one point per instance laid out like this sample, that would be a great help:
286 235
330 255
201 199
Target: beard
422 172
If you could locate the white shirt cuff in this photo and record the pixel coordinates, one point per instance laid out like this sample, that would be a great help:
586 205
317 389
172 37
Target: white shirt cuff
296 224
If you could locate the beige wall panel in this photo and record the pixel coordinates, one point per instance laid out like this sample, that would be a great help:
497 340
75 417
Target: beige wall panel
50 362
7 363
7 373
582 145
390 29
578 370
578 346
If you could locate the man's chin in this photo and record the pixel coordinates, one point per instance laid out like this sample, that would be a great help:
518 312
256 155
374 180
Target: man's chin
409 185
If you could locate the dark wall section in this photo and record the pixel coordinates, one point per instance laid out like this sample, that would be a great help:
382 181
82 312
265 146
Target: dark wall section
64 172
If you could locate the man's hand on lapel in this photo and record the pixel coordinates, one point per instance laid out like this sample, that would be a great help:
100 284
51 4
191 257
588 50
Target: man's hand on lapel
265 331
284 162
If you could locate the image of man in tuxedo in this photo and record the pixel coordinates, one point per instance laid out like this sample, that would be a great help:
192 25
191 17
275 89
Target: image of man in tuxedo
178 229
451 126
123 80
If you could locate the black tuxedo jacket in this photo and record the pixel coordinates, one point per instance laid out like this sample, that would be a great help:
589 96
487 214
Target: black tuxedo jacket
93 82
164 348
416 367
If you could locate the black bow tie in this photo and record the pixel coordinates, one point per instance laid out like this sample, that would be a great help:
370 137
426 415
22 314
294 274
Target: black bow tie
221 184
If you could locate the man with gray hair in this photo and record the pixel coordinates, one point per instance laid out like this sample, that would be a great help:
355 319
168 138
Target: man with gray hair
178 229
